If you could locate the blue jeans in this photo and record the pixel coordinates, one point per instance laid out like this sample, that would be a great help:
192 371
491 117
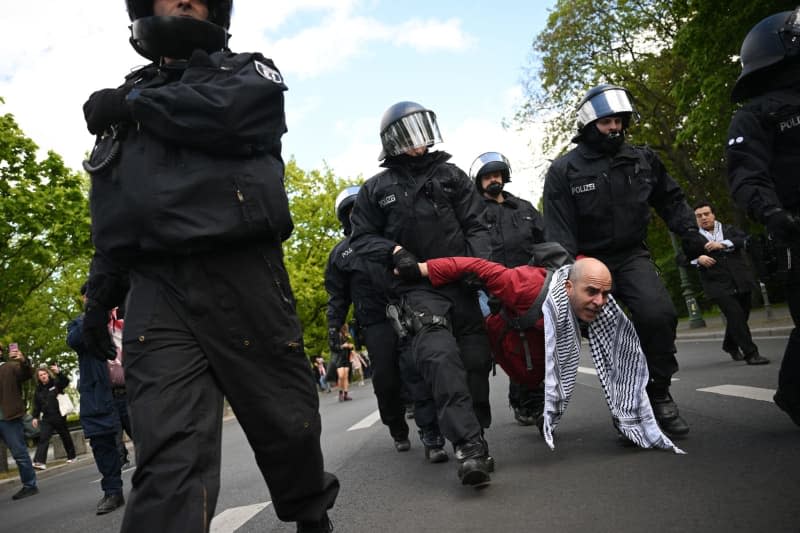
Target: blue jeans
11 433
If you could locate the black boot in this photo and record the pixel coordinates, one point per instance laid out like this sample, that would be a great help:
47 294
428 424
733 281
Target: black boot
755 359
666 413
472 468
735 353
789 405
489 458
434 443
109 502
323 525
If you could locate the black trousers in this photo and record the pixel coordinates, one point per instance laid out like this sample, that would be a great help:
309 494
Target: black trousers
48 427
736 308
198 328
637 285
382 344
789 375
454 362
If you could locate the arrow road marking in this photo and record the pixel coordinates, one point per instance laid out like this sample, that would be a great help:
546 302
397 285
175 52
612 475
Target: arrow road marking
366 422
742 391
232 519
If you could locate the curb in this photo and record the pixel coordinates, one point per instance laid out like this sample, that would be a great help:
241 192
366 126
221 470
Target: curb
775 331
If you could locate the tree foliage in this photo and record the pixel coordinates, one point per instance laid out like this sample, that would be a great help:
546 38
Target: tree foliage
678 58
316 231
45 245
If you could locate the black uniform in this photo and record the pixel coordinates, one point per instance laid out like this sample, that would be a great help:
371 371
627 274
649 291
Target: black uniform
763 163
515 226
430 208
599 205
729 283
348 280
194 207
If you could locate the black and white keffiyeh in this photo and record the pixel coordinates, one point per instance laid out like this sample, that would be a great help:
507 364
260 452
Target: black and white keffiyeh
618 358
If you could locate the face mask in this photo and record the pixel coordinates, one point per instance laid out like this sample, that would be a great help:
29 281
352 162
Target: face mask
494 189
608 144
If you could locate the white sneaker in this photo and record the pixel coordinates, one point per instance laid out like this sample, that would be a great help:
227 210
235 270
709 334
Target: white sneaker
39 466
69 461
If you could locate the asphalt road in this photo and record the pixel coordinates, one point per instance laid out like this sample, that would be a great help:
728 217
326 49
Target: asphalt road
741 471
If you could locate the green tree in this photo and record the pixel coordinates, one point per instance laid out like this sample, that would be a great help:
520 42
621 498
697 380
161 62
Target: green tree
678 59
45 245
316 232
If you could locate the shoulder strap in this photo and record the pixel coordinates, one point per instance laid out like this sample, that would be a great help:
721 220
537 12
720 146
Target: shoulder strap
534 312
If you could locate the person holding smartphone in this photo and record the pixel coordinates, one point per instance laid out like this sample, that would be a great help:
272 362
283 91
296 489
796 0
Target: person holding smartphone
13 373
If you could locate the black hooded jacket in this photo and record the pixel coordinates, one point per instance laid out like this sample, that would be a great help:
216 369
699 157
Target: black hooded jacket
596 203
426 205
515 226
763 155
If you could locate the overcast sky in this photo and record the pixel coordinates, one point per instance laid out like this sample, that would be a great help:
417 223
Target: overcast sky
345 62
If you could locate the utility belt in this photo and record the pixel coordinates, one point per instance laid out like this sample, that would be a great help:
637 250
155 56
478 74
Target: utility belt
118 391
408 322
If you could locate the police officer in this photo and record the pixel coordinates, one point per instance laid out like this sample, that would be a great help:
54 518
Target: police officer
597 201
515 226
422 207
763 162
348 280
189 209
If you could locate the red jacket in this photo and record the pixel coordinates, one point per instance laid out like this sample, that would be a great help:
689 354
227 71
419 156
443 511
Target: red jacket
516 288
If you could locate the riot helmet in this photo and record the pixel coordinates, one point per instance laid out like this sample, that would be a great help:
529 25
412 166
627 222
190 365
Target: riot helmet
604 101
155 37
405 126
770 42
487 163
344 204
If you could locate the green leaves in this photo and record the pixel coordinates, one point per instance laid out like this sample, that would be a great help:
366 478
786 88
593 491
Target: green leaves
45 245
316 231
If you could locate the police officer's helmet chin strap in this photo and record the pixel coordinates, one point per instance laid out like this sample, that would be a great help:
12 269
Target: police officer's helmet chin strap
176 37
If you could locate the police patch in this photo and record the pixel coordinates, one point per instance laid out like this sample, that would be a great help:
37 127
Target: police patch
578 189
268 72
388 200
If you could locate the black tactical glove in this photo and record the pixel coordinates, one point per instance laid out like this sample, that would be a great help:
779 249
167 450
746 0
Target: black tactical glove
693 244
334 340
407 265
95 331
105 108
471 281
494 304
783 226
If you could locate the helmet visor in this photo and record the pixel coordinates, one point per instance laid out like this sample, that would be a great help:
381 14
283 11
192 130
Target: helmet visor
607 103
411 131
485 159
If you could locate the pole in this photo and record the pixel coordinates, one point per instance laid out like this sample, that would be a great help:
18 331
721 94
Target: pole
695 316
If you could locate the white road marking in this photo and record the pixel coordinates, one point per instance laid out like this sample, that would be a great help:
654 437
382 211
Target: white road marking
366 422
232 519
742 391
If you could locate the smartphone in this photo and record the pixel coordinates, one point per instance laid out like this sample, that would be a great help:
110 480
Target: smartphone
13 347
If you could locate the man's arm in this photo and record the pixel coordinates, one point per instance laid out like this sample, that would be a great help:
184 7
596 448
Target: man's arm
560 218
369 223
749 152
337 284
469 208
214 108
668 200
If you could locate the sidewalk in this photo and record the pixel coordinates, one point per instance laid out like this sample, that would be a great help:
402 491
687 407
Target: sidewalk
778 324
